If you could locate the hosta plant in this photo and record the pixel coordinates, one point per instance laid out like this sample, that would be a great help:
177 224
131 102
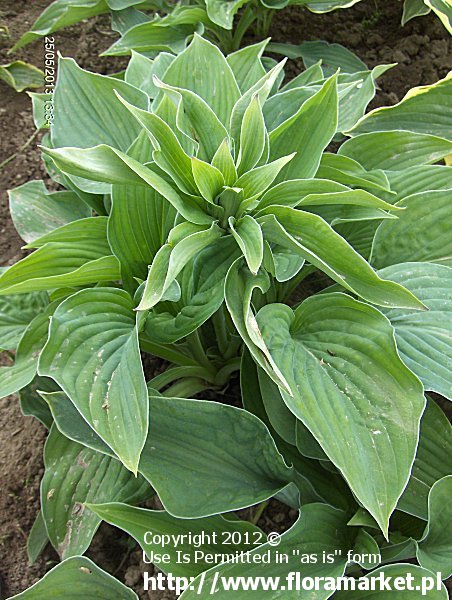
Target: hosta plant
207 221
157 25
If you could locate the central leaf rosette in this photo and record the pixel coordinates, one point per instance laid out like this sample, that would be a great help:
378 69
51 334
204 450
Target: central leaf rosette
239 161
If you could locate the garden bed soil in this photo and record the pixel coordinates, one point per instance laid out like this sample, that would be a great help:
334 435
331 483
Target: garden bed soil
371 29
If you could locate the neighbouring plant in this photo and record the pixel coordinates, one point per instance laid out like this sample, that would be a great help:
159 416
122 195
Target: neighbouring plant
144 29
204 208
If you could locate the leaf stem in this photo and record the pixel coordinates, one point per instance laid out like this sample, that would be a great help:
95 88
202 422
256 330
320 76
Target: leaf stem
185 388
259 511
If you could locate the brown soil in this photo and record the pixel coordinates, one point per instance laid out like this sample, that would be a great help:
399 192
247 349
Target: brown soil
370 29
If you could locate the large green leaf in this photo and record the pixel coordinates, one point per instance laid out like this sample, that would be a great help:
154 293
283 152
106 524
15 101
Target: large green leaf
167 34
61 13
349 172
421 111
202 285
424 339
434 550
94 356
77 578
422 582
421 232
202 69
35 211
109 165
395 150
351 390
212 531
16 313
16 377
75 475
433 461
320 528
419 179
88 113
308 133
310 236
332 56
139 224
247 66
75 254
205 458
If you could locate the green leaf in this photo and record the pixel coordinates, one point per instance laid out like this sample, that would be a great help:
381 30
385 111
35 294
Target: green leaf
71 423
421 111
302 539
202 69
359 400
222 12
171 259
307 234
141 70
422 581
196 119
444 11
281 418
421 232
31 402
202 284
209 180
35 211
252 137
77 578
397 150
349 172
247 66
16 313
21 75
248 235
434 552
312 74
135 247
255 182
368 549
433 461
59 14
263 88
16 377
74 476
424 339
224 162
37 539
308 132
99 118
169 154
333 56
74 254
412 9
225 455
107 164
419 179
169 34
94 356
138 522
